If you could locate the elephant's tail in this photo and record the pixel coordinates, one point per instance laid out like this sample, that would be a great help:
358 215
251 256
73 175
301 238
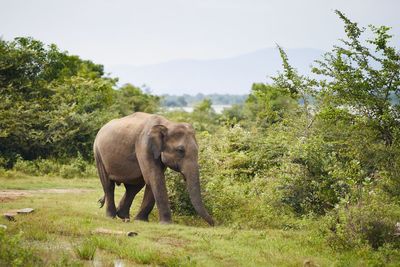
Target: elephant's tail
101 201
102 174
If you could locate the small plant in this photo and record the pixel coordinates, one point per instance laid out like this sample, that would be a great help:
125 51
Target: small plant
25 166
69 172
47 166
13 253
86 250
66 261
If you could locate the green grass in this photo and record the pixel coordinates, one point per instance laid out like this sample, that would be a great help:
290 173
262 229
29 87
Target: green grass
17 180
59 232
86 250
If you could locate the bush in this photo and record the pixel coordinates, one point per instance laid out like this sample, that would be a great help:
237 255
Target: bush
78 168
311 178
237 179
72 168
14 253
369 222
178 196
47 166
69 171
25 166
337 158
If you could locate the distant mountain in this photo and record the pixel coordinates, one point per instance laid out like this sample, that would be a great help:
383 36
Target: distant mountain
233 75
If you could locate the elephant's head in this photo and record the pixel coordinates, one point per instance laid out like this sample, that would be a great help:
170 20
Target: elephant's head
175 145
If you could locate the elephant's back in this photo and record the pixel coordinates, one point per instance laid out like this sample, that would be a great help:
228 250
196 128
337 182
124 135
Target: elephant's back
120 132
131 124
115 144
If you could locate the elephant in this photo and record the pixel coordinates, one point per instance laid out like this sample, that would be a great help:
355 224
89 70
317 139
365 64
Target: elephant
136 150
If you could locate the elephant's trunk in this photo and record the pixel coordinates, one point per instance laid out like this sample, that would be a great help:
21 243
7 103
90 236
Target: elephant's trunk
193 186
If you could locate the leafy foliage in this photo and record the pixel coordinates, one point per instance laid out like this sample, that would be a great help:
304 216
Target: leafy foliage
365 78
303 147
366 223
269 104
12 253
52 104
131 99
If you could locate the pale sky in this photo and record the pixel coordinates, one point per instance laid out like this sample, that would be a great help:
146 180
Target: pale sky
146 32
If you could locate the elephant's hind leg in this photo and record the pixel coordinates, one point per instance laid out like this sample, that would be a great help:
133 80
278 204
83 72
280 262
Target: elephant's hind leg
147 205
111 211
108 187
126 201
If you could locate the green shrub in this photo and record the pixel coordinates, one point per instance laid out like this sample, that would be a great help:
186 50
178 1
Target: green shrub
70 168
236 177
178 195
369 222
69 172
26 166
324 167
90 170
82 168
390 171
75 168
4 162
14 253
47 166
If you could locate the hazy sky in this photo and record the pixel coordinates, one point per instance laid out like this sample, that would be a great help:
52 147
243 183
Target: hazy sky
145 32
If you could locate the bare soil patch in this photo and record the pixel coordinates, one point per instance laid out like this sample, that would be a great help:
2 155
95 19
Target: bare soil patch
12 194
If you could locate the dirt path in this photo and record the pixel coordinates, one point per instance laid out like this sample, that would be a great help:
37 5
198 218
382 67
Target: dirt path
12 194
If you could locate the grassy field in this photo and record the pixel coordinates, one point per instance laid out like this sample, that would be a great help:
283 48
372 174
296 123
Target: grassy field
60 233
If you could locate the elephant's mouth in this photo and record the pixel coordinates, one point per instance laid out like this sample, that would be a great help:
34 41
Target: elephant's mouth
174 168
169 163
172 165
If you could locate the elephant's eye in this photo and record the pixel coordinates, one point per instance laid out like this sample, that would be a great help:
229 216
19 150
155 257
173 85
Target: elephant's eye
180 150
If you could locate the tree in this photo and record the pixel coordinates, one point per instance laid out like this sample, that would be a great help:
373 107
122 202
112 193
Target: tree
131 99
364 77
351 142
52 104
49 101
269 104
203 116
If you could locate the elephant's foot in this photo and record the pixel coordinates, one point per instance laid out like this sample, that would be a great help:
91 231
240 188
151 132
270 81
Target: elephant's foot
165 217
110 212
123 214
110 215
142 218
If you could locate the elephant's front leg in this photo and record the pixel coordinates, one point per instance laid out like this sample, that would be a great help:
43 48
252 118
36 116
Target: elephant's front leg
159 188
147 205
126 201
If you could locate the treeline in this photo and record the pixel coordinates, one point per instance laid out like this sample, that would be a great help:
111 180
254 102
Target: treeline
320 153
52 103
190 100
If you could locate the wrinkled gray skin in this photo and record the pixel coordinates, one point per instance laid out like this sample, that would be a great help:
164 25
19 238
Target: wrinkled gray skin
135 150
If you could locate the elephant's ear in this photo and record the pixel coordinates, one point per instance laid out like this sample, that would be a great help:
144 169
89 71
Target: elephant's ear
157 135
